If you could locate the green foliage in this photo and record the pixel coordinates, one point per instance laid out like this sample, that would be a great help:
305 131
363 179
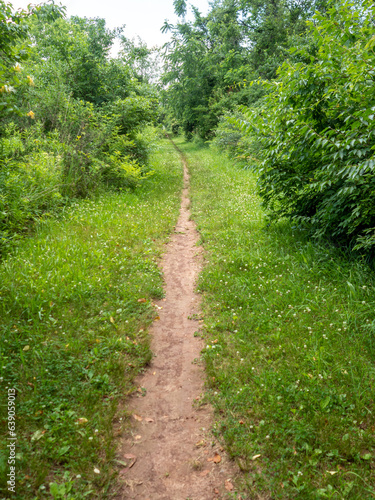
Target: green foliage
12 31
122 172
133 113
288 327
73 333
316 128
79 112
15 49
208 60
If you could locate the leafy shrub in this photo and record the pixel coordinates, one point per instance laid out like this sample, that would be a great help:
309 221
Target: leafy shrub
28 189
316 128
122 172
175 127
133 113
137 147
228 134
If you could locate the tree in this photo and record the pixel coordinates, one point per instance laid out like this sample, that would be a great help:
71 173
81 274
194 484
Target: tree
316 129
208 59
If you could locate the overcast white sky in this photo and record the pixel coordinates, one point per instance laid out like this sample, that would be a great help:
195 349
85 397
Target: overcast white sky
141 17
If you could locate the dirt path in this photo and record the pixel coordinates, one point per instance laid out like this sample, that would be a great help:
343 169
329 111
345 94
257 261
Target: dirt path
170 452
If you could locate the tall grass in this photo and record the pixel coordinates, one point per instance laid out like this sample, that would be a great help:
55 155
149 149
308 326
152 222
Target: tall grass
289 329
73 331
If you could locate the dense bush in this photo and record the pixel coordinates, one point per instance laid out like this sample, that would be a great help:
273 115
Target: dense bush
316 129
72 119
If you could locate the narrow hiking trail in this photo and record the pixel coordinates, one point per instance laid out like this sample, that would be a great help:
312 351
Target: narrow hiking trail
170 453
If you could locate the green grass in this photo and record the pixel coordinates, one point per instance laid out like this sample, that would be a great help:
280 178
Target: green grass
73 332
289 327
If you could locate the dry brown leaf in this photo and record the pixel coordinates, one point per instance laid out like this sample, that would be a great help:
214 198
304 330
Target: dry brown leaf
216 491
216 459
137 417
228 485
157 318
142 300
204 473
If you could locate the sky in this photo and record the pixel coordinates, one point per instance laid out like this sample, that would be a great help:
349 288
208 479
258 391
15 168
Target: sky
141 17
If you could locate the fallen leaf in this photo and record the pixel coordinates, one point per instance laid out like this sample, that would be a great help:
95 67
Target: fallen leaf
111 320
142 300
137 417
216 491
133 458
121 463
37 435
149 420
216 459
204 473
255 457
82 421
157 318
228 485
241 422
97 471
200 443
332 472
26 348
138 437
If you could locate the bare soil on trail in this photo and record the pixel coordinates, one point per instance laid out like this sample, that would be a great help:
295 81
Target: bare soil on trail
169 452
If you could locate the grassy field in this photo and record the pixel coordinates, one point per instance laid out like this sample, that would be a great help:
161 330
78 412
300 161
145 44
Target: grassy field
75 303
289 327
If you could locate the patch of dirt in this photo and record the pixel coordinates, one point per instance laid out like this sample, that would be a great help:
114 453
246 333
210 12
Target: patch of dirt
170 453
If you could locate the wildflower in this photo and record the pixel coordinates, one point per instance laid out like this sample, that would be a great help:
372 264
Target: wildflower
97 471
17 67
30 81
31 114
8 89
